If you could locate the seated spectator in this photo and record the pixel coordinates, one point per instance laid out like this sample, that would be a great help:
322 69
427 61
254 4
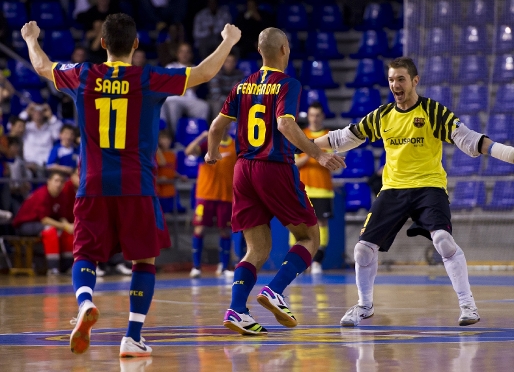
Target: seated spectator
40 134
189 104
139 58
16 126
221 85
208 24
167 50
156 14
20 185
65 154
43 214
251 22
166 174
6 92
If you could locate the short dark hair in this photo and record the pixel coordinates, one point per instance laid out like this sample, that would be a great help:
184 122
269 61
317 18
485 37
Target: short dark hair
316 105
11 140
13 119
119 32
407 63
68 127
54 172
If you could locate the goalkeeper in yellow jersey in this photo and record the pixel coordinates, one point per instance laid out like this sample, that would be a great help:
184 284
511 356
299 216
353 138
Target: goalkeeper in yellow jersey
318 184
414 183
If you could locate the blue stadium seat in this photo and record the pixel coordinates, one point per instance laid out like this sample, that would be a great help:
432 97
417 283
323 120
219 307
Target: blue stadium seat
322 45
364 101
290 69
378 144
359 163
503 71
504 39
504 99
373 44
441 94
48 14
412 12
315 95
398 44
317 75
480 12
15 14
59 44
390 97
497 167
21 101
445 12
297 50
358 195
188 129
473 40
473 99
438 41
247 66
463 165
187 165
328 17
19 45
468 195
292 17
21 77
472 122
472 69
369 72
437 70
376 17
507 14
502 198
382 160
500 127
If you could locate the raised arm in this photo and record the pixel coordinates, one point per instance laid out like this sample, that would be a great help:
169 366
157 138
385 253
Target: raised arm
210 66
194 147
38 58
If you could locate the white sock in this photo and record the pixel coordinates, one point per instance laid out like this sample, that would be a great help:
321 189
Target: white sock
365 278
457 270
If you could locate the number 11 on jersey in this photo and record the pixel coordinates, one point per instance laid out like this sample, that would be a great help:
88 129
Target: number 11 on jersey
120 105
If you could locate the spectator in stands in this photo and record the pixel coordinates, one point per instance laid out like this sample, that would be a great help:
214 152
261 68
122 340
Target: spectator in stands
6 92
208 24
40 133
16 127
188 104
139 58
20 185
167 50
166 174
65 154
251 22
157 12
43 214
221 85
79 55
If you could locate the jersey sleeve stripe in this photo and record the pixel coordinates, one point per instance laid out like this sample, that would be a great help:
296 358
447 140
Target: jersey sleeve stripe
54 65
188 72
377 124
363 126
431 115
228 116
287 116
444 125
387 110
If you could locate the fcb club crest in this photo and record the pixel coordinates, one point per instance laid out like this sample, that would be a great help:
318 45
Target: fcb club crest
419 122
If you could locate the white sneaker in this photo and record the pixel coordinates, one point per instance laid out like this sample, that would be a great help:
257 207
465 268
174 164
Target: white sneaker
316 268
131 348
355 314
219 269
122 269
468 315
275 303
228 274
99 272
195 273
243 323
88 315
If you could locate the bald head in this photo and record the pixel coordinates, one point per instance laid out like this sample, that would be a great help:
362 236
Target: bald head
271 41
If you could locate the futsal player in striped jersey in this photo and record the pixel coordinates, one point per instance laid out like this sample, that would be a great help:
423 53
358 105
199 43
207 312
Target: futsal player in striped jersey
116 207
414 183
266 180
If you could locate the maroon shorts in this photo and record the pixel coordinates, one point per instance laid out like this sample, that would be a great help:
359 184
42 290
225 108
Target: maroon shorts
206 210
105 225
263 189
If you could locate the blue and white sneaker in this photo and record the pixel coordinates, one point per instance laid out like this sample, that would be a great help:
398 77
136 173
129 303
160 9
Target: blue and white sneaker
275 303
355 314
243 323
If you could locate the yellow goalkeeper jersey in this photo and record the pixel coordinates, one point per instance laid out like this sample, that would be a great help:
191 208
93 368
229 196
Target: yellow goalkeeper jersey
413 142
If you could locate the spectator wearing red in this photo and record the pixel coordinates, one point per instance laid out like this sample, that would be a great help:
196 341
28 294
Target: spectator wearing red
44 213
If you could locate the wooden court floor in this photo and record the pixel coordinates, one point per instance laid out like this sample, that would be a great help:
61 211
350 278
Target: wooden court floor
414 327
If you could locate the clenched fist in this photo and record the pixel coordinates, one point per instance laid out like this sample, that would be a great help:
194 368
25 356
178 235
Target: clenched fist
30 31
231 33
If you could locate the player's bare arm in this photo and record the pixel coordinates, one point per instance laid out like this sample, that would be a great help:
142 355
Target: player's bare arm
290 129
216 132
341 140
210 66
38 58
194 147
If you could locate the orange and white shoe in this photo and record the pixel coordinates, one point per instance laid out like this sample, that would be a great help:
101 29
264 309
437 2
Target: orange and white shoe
87 317
131 348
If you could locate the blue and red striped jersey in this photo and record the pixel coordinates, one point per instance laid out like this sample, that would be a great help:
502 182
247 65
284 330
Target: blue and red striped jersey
118 108
256 103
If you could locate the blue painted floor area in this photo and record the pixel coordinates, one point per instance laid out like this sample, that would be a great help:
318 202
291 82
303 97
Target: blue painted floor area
263 279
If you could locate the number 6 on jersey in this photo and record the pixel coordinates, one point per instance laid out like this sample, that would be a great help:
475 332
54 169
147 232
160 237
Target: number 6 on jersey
256 126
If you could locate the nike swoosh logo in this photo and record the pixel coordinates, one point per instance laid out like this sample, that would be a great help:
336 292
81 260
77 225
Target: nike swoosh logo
141 347
387 130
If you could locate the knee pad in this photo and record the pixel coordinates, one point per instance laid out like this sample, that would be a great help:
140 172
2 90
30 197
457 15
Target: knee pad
365 253
444 243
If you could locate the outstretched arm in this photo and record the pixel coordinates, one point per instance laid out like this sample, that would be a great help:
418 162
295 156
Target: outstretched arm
38 58
210 66
497 150
341 140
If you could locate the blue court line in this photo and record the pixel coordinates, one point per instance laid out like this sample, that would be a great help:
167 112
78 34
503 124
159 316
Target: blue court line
327 279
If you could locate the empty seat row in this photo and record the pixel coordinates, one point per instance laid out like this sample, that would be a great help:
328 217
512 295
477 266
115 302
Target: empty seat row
47 14
472 194
464 166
